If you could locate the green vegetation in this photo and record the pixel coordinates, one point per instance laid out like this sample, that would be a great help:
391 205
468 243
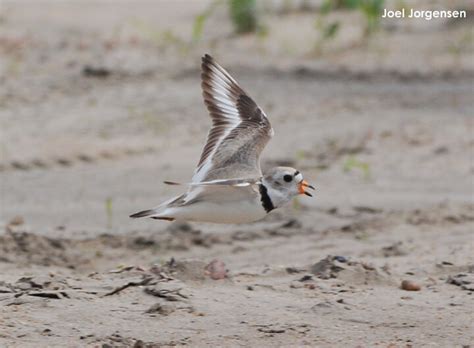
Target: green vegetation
370 9
200 20
243 14
108 211
160 38
463 43
353 163
296 204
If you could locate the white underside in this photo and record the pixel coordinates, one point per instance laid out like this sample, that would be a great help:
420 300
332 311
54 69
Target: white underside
223 210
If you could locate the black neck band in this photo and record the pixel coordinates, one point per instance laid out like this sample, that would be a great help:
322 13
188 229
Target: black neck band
265 198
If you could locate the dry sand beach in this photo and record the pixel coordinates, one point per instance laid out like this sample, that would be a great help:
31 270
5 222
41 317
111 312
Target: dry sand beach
100 103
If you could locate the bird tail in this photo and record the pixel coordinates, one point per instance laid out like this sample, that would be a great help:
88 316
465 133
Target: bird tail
161 212
143 213
152 214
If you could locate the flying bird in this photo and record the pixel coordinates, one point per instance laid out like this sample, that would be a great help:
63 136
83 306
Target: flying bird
228 185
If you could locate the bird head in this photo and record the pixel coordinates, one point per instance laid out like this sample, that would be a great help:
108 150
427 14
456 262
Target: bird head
284 183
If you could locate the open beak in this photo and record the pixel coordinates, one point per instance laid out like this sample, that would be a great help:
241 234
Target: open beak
302 188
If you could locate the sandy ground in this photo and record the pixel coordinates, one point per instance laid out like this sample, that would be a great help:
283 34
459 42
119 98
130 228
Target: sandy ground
383 129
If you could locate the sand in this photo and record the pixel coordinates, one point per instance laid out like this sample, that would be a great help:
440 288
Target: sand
99 104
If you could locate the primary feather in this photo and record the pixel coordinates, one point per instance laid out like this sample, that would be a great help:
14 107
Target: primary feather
240 129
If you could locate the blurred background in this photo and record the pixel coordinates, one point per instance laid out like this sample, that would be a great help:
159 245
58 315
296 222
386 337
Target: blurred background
100 102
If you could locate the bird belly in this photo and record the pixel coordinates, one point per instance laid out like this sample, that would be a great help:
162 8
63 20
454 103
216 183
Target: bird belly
227 212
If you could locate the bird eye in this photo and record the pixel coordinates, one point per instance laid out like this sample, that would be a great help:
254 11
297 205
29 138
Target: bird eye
287 178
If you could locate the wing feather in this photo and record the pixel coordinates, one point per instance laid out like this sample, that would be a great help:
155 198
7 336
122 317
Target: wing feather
240 129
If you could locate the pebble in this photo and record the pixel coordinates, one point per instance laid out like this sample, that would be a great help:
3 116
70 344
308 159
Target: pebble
17 221
341 259
296 285
163 309
216 270
409 285
305 278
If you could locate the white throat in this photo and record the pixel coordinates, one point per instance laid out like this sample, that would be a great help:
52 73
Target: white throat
278 197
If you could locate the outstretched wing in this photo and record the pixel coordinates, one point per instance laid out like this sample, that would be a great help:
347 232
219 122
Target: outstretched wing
240 129
218 182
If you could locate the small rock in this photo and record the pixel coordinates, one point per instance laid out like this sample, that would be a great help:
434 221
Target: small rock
91 71
409 285
292 270
340 259
447 263
292 223
163 309
463 280
216 270
46 332
368 266
395 249
185 270
26 283
270 330
326 268
322 307
17 221
441 150
305 278
296 285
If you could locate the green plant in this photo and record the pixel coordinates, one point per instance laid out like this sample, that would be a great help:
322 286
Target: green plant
301 155
199 21
160 38
370 10
108 211
296 204
328 32
244 15
461 43
353 163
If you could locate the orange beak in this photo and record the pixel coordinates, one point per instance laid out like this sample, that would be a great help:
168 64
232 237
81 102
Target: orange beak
302 188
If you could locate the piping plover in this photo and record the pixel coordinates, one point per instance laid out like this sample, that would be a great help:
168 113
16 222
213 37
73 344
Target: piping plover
228 185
